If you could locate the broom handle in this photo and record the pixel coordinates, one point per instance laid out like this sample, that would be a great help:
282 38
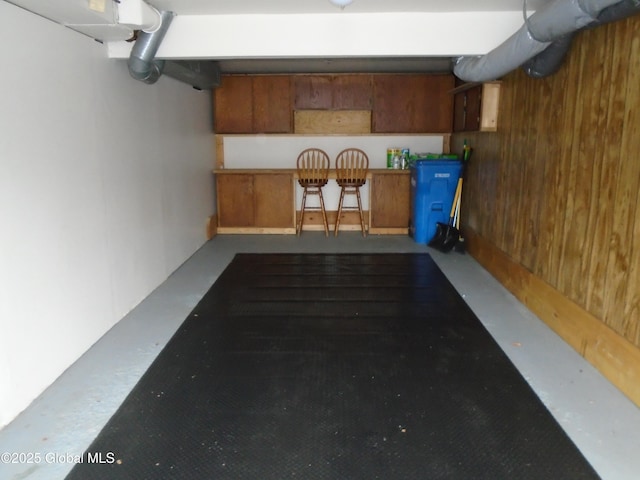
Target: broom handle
456 216
458 207
455 200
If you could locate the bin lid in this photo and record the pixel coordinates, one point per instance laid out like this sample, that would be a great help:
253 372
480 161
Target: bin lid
427 163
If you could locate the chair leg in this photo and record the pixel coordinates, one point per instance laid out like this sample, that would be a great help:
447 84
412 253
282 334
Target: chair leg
335 232
301 219
364 232
324 213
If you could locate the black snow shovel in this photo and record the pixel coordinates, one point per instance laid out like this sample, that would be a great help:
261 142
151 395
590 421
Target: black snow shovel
447 234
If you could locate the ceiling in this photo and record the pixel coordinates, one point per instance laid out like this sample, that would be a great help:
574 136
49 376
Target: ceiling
243 7
402 11
306 36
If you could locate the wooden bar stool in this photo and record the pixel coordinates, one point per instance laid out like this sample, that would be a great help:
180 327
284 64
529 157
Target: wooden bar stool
352 165
313 174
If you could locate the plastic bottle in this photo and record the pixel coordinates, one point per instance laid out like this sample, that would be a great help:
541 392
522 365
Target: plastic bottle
404 159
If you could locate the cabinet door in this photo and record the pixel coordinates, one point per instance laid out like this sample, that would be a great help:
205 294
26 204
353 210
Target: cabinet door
476 108
274 200
472 113
351 92
233 105
412 103
312 92
337 92
272 104
235 200
459 111
390 201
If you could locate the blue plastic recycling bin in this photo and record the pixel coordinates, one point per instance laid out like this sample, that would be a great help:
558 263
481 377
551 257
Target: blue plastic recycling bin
433 186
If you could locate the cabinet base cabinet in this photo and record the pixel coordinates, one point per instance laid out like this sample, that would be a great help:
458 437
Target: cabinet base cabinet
235 200
389 202
263 202
274 205
256 203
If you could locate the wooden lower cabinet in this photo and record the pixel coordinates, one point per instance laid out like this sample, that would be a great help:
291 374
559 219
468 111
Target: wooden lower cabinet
389 198
263 201
255 202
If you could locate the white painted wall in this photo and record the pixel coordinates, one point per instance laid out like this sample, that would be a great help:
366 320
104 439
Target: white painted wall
105 187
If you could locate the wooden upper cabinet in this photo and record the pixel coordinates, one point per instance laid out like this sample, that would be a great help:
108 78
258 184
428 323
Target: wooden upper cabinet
312 92
476 107
412 103
332 92
253 104
272 104
352 92
420 103
233 105
466 111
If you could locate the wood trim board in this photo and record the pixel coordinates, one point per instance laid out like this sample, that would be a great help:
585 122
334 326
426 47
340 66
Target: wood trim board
614 356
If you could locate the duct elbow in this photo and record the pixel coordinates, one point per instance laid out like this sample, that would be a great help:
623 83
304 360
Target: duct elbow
142 63
145 71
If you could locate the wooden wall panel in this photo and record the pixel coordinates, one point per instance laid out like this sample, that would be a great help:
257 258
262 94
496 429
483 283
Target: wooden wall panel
556 188
624 261
605 173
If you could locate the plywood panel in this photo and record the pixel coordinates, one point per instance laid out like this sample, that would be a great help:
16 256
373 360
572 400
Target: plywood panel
332 121
490 107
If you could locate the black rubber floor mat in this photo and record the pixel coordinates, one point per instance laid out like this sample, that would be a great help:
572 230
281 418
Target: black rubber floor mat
366 366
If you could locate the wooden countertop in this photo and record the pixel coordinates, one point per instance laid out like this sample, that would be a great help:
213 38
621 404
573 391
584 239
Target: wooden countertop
332 173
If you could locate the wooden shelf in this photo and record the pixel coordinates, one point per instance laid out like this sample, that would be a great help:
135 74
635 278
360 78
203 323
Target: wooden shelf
464 87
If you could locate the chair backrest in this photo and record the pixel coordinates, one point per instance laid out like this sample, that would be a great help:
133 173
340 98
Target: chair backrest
313 167
352 165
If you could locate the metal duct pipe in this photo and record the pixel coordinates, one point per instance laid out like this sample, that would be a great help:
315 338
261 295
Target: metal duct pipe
142 65
619 11
562 17
550 23
550 60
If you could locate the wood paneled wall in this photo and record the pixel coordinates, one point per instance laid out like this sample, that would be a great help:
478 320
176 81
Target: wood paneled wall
556 189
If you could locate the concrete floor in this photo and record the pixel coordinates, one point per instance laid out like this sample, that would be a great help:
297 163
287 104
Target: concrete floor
64 420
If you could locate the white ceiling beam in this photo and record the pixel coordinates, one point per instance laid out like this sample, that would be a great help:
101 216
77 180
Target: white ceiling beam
328 35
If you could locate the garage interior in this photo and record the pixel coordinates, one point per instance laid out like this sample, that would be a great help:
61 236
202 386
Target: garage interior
107 189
